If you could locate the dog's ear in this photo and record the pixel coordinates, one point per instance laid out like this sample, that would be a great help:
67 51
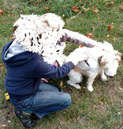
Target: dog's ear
101 61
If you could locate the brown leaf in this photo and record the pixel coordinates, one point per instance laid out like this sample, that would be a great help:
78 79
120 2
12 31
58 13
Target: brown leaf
89 35
75 9
96 106
3 125
61 83
47 8
121 88
110 27
84 8
67 20
12 38
1 65
1 12
111 3
80 46
121 7
101 103
95 10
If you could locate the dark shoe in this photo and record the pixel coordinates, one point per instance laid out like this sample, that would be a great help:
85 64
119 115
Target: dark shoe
25 119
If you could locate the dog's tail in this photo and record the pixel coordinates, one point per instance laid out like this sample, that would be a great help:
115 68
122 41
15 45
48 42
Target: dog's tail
78 38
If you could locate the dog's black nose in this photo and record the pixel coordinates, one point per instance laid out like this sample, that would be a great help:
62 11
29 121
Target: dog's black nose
110 76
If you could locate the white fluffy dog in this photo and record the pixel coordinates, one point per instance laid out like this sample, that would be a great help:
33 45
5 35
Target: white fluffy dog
103 59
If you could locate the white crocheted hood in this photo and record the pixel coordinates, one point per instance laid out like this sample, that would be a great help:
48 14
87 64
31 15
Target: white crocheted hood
36 33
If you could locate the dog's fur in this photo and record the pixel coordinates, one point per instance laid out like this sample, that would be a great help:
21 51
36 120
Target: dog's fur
103 59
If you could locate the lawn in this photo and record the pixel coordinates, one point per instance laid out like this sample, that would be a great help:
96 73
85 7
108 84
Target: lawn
100 19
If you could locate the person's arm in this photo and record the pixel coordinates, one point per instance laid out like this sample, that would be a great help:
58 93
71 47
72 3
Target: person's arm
45 70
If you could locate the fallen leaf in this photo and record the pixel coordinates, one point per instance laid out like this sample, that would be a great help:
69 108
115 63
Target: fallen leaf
47 8
67 20
96 106
84 8
110 3
119 113
89 35
121 88
1 11
108 36
80 46
61 83
13 6
101 103
110 27
121 7
1 65
63 15
3 125
84 87
75 9
12 38
95 10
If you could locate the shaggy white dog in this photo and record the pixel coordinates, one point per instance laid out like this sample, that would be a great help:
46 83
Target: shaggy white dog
103 59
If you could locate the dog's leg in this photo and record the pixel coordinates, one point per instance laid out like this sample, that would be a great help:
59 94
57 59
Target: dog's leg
89 83
74 78
77 86
103 76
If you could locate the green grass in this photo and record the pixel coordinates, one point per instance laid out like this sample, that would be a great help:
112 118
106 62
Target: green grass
101 109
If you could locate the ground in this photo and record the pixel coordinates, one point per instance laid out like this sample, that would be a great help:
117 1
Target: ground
101 20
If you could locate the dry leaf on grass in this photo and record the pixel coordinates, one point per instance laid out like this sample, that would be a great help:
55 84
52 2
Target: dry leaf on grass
84 8
1 65
67 20
121 7
80 46
46 8
121 88
61 83
3 125
95 10
110 3
110 27
89 35
108 36
1 12
75 9
96 107
101 103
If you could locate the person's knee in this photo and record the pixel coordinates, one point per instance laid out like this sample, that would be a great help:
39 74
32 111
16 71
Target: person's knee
67 100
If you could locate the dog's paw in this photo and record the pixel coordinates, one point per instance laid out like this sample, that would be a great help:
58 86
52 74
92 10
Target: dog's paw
90 88
104 78
77 86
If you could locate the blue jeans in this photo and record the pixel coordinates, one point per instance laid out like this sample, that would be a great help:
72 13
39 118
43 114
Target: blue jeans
48 99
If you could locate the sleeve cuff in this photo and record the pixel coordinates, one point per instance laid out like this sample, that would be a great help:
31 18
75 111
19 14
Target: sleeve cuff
71 65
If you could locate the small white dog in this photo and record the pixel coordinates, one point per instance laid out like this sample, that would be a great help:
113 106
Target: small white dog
103 59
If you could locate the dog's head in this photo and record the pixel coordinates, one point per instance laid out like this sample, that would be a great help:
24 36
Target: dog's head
110 62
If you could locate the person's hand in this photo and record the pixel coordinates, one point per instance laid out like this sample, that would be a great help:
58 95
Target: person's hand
56 64
44 80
